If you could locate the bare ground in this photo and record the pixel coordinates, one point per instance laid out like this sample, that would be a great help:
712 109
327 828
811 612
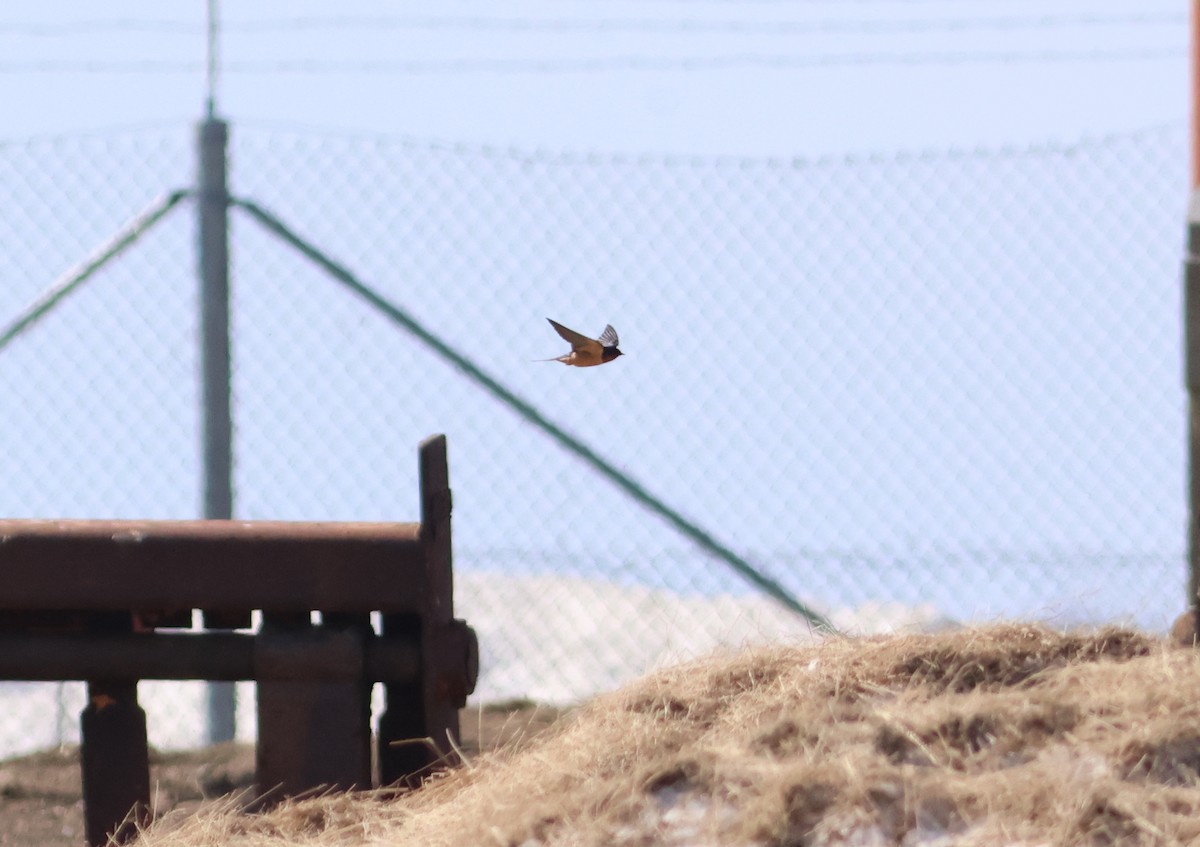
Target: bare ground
40 803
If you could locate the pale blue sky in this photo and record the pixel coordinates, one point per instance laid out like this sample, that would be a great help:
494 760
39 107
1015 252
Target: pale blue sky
54 56
831 352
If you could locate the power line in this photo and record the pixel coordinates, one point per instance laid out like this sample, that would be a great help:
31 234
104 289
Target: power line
605 25
605 158
313 67
809 4
599 158
643 25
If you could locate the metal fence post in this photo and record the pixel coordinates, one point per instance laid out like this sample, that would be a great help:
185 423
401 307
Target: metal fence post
1191 329
213 209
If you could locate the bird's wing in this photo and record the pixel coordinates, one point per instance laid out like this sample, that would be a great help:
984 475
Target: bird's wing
578 341
609 337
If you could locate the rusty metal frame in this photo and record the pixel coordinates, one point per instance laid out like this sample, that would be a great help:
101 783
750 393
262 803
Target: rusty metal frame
88 600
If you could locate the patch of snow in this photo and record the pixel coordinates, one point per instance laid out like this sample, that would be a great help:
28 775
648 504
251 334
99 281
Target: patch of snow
562 639
550 638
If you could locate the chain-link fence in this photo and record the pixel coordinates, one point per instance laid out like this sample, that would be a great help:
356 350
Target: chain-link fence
911 388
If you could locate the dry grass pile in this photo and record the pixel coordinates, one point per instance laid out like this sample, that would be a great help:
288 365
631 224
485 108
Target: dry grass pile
1005 735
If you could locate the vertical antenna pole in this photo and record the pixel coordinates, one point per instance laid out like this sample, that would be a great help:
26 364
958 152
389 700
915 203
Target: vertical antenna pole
210 81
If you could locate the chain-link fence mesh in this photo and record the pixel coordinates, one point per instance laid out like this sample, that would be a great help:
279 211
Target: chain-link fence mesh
911 388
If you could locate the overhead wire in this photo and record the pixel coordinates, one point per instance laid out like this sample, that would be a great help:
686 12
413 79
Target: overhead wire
597 63
595 25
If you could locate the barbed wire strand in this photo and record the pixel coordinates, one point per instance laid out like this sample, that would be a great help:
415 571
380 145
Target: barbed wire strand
316 67
600 25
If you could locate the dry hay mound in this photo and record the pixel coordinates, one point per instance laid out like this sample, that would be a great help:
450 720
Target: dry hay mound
1011 734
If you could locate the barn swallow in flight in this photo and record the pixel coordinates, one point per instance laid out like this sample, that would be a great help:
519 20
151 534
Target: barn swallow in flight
586 352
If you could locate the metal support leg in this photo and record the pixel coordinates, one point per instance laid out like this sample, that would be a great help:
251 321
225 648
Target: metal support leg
115 763
311 734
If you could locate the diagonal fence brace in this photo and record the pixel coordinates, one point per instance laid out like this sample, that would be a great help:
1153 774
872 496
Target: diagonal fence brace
79 274
523 408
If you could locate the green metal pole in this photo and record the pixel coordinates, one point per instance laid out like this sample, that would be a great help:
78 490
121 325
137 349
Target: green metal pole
213 220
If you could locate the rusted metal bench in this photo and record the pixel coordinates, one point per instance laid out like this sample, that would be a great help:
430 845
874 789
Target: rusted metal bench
96 600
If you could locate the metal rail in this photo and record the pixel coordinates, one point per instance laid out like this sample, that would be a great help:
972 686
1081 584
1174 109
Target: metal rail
236 566
313 655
